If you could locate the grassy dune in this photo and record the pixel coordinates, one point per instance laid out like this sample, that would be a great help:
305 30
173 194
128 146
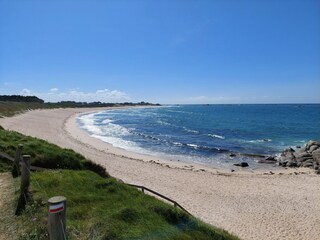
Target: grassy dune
8 109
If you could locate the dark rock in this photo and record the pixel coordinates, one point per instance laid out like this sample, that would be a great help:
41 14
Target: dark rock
271 158
267 161
304 159
309 161
232 155
289 150
286 159
316 156
307 164
253 155
303 149
316 151
313 148
307 156
312 143
302 154
298 146
291 164
242 164
288 155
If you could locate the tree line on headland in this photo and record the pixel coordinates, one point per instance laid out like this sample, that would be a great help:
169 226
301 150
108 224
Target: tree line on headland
18 98
34 99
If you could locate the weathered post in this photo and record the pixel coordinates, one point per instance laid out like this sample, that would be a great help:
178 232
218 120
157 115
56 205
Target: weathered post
16 163
25 182
57 218
25 175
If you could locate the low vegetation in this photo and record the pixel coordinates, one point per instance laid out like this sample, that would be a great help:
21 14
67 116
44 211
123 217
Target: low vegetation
46 155
8 109
5 165
15 104
99 208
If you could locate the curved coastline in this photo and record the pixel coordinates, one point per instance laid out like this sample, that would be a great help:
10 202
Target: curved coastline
225 161
73 130
252 205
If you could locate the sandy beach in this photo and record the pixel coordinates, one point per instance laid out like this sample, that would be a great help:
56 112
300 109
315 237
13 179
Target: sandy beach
250 204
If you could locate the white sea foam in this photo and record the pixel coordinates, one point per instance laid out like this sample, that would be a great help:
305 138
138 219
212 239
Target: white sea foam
176 111
109 132
177 144
260 140
216 136
164 123
190 130
115 130
106 121
121 143
88 123
87 118
193 145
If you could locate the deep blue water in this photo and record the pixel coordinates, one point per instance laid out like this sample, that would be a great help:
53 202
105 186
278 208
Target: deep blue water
206 133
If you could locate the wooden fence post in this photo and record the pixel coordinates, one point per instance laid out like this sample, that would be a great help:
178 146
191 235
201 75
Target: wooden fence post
25 174
16 163
57 218
25 182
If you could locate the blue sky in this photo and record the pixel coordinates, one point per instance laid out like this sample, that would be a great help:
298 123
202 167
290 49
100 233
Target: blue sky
161 51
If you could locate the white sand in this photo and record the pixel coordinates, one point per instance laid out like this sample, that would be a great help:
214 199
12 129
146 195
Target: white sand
251 205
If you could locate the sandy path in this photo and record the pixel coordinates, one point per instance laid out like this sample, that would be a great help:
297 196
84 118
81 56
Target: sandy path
250 205
8 223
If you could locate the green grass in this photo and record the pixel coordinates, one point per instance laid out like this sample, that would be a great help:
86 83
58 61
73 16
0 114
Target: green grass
5 165
8 109
44 154
100 208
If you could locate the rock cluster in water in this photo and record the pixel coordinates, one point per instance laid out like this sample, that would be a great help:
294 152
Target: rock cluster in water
307 156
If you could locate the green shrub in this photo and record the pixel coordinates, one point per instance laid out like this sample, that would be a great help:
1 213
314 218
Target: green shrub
100 170
5 165
47 155
128 215
171 215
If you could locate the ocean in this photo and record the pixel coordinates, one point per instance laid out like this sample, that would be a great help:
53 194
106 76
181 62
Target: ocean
207 134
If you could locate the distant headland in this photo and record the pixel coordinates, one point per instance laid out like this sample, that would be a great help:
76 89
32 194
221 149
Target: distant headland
13 104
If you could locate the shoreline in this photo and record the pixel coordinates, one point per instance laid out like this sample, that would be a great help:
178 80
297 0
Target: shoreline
251 205
73 129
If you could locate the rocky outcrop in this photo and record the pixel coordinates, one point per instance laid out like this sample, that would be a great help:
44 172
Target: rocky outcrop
242 164
268 160
307 156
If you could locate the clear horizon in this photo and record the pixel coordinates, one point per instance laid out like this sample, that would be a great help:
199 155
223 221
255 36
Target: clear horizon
168 52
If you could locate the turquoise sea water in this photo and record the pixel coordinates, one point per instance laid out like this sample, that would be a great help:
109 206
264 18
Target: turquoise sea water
206 133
